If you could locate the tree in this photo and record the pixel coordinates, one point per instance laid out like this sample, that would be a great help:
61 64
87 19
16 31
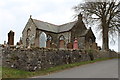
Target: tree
106 13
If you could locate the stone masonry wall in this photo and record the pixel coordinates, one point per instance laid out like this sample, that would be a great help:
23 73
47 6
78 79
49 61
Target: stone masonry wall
37 59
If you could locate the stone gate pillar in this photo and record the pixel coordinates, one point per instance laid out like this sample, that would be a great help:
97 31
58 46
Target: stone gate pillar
11 38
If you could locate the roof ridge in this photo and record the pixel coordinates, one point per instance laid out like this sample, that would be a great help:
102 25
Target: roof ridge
67 23
55 24
54 28
45 22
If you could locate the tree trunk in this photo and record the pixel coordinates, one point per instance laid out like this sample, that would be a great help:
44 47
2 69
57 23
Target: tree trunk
105 28
118 41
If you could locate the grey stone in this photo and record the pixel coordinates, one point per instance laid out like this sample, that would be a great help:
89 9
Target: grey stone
38 59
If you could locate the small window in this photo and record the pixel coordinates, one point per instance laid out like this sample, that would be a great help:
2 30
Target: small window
28 32
90 40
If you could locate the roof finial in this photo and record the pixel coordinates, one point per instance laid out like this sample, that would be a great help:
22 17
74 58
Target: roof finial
80 16
30 16
89 27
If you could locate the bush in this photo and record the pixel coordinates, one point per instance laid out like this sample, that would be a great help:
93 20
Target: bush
90 53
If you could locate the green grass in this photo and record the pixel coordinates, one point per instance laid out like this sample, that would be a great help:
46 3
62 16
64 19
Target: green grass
0 72
14 73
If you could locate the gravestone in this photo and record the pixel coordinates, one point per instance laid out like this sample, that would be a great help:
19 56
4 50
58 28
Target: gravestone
62 44
4 42
20 41
48 45
69 46
94 45
1 61
11 38
53 45
75 45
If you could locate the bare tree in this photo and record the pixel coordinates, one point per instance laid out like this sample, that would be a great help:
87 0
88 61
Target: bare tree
106 13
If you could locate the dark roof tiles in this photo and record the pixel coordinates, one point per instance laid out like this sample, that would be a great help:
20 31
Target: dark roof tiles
53 28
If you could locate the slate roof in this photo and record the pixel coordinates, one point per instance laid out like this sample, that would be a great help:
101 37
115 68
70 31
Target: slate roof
57 28
84 32
53 28
67 26
45 26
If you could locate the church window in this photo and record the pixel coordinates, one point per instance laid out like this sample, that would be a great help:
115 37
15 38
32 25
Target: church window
28 32
49 37
42 40
62 37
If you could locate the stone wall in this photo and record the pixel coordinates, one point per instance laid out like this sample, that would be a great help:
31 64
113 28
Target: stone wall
0 62
38 59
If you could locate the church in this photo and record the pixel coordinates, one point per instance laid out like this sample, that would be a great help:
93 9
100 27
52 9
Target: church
38 33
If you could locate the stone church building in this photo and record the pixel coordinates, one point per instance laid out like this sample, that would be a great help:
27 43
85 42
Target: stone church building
43 34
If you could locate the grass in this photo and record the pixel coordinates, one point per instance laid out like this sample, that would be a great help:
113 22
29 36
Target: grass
14 73
0 72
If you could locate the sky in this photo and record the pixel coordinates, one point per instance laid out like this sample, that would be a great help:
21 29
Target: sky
14 15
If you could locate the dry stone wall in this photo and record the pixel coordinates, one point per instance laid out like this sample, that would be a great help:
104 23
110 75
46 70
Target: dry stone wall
38 59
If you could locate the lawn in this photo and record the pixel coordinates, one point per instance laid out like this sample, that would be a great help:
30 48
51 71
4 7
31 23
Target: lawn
0 72
14 73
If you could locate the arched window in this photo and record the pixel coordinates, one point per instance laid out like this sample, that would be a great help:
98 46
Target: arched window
28 32
49 37
42 40
61 37
90 40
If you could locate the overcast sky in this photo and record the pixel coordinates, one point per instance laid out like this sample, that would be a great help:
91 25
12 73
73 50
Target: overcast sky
14 15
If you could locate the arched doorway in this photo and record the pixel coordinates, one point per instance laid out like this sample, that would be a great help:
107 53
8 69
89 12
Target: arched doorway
42 40
61 41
